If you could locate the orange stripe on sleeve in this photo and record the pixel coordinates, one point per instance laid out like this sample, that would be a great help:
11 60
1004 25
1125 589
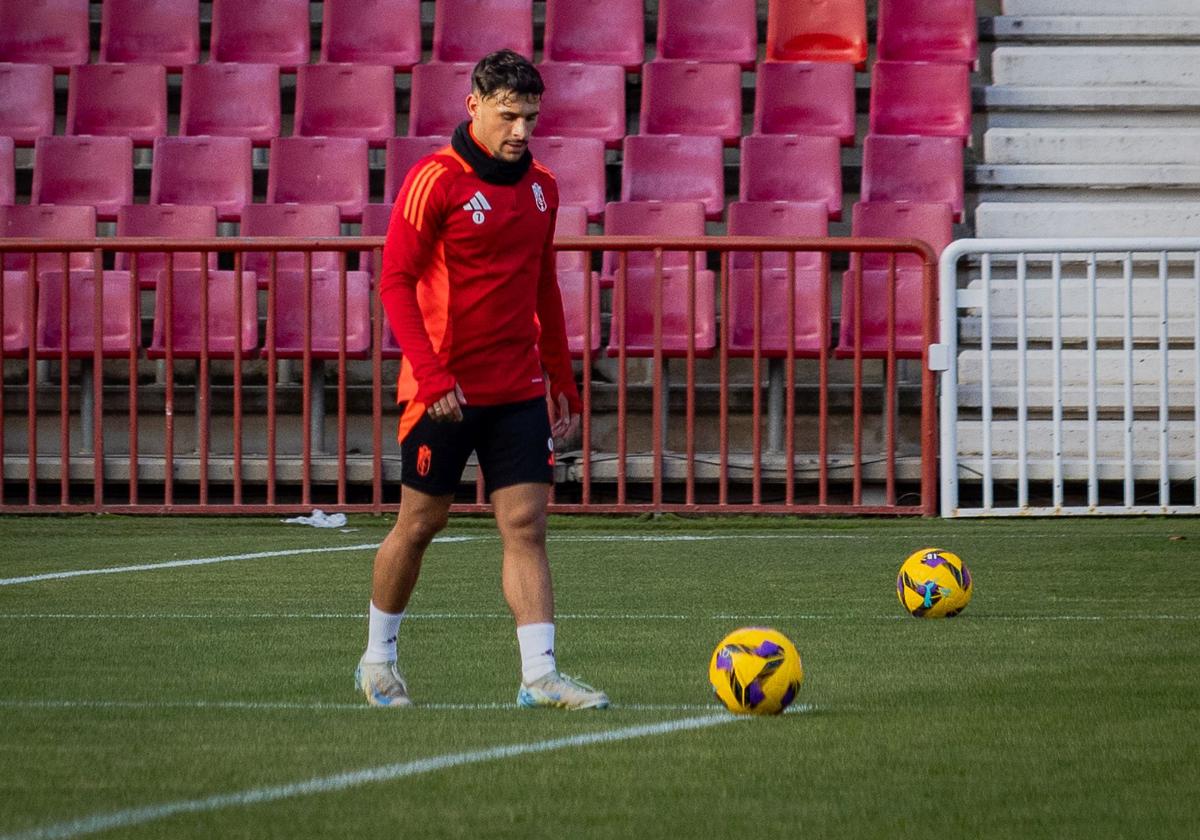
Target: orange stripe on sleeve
415 187
423 199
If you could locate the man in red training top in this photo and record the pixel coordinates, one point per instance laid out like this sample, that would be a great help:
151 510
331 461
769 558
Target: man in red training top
469 288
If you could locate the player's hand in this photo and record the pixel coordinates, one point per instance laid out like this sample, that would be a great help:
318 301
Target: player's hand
448 409
564 425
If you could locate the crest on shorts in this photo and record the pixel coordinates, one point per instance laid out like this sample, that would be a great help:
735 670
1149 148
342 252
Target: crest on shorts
424 457
539 197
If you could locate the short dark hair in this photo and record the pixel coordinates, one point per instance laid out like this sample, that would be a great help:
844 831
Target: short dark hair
506 70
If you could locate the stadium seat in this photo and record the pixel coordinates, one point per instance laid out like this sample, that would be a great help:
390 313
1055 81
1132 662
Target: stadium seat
226 325
320 170
346 100
773 309
692 97
651 218
26 102
231 100
675 167
261 33
578 166
927 30
325 333
51 32
777 218
175 221
676 330
583 100
596 32
438 93
572 285
805 97
375 220
143 32
213 171
118 100
93 171
571 220
921 97
708 30
372 32
467 30
17 327
8 172
401 154
48 221
908 167
304 221
120 324
829 30
792 167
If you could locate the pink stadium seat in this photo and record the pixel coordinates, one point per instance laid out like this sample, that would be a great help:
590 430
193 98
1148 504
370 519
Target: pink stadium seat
372 32
805 97
375 221
94 171
675 167
578 166
596 32
51 32
571 220
708 30
583 100
231 100
346 100
226 325
120 326
438 94
467 30
692 97
261 33
792 167
176 221
928 30
26 102
304 221
401 154
676 330
48 221
325 333
8 173
213 171
120 100
828 30
908 167
572 285
921 97
320 170
773 309
930 222
777 218
17 327
651 218
150 32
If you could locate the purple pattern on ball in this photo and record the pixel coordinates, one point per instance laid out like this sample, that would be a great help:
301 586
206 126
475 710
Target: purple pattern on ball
754 695
724 661
788 696
933 560
768 648
966 577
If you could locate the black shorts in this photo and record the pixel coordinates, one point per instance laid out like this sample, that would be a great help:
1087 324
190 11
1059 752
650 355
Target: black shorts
512 442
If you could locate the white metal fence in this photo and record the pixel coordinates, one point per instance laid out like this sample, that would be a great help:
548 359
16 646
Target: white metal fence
1070 378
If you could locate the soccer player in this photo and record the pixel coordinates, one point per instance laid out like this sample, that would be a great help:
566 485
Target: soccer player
470 291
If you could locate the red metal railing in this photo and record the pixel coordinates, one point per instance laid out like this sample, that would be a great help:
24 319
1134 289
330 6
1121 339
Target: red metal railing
599 479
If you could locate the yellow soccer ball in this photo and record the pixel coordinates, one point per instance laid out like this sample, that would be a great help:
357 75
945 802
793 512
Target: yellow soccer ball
756 671
934 583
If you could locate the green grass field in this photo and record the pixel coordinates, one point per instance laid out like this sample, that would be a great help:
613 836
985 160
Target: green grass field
215 700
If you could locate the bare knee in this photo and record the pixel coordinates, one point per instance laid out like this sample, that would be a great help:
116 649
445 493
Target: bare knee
524 524
418 528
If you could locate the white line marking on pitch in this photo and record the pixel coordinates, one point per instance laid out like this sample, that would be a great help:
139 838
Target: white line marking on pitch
566 617
355 778
265 706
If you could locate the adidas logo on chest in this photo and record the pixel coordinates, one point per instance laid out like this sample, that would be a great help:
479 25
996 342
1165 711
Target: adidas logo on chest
477 207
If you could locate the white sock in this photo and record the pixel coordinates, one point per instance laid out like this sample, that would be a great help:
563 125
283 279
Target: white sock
537 651
382 629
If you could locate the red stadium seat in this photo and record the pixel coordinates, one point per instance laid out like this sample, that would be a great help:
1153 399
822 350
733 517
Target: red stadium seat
596 32
829 30
304 221
120 325
93 171
226 325
908 167
676 329
401 154
320 170
708 30
583 100
8 173
231 100
928 30
212 171
439 92
372 32
375 220
467 30
773 330
572 285
578 166
791 167
675 167
805 97
26 102
692 97
51 32
921 97
118 100
777 218
48 221
17 328
261 33
176 221
150 32
651 218
571 220
325 332
346 100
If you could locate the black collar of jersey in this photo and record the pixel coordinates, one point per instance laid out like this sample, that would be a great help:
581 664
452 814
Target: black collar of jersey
490 169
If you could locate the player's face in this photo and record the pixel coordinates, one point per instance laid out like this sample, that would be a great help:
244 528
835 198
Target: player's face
503 122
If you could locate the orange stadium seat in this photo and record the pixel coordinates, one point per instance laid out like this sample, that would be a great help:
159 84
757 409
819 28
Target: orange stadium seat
908 167
308 221
708 30
583 100
805 97
467 30
49 221
213 171
8 174
326 303
261 33
675 167
177 221
346 100
651 218
400 155
93 171
578 167
777 218
829 30
692 97
160 32
596 32
51 32
122 100
26 102
231 100
438 93
320 170
928 30
226 325
372 32
120 331
792 167
921 97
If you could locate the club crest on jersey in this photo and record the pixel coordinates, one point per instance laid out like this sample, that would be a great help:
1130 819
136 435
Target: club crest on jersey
539 197
477 206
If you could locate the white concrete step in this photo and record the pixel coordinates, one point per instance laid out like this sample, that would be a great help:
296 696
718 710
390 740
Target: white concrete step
1085 8
1088 175
1071 66
1110 441
1098 28
1126 98
1006 219
1115 146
